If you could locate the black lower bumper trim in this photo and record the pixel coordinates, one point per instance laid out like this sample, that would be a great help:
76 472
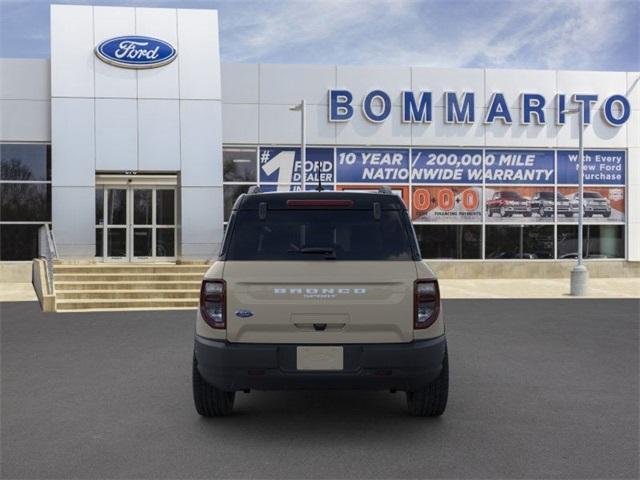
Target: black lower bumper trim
388 366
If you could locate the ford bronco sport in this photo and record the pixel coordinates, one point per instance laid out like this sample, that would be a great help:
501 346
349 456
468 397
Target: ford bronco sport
320 290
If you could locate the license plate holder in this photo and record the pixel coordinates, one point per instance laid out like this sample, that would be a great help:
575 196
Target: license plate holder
320 358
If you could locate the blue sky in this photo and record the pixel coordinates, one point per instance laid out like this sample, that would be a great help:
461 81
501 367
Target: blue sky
546 34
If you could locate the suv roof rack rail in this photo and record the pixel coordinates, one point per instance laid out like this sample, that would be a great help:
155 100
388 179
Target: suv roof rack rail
254 189
385 189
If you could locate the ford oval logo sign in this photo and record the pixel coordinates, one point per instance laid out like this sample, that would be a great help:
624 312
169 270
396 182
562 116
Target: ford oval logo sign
244 313
134 51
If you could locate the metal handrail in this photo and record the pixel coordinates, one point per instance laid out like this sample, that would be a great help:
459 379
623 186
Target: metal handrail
50 252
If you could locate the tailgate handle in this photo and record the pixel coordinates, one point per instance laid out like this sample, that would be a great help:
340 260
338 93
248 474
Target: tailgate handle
320 327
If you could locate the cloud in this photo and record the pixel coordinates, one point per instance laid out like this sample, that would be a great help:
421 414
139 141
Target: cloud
254 30
545 34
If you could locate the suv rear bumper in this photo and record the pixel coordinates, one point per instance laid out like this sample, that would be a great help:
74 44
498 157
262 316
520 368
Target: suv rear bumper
386 366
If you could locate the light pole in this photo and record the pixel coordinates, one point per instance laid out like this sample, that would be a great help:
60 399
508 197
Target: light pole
303 138
580 274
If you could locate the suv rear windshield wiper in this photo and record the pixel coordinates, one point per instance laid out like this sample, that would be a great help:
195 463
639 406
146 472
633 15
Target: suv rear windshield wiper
328 251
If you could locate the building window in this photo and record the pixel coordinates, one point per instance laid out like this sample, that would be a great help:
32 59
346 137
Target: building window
25 162
598 241
25 198
25 202
18 242
239 164
450 241
466 204
530 242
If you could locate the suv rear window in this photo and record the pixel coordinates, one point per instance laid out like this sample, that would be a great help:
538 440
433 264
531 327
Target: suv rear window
335 234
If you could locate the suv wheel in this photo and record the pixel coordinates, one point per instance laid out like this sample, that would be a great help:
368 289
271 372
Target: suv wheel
209 401
432 401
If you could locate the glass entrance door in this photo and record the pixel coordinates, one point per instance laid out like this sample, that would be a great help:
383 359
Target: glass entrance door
136 223
115 230
142 223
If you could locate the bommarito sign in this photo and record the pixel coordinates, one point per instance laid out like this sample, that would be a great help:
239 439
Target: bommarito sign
460 108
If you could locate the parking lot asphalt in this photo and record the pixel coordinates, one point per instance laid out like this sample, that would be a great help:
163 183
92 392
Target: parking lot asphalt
539 389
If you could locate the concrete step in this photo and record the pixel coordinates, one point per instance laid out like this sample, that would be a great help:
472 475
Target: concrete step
128 268
120 309
96 287
65 305
127 294
122 277
62 286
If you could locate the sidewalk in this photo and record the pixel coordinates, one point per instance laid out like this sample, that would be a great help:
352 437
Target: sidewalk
17 292
537 288
449 288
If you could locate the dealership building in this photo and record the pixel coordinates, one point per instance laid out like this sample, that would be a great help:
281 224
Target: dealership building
128 163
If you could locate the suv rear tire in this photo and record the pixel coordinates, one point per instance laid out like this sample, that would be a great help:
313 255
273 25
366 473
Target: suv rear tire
432 401
210 401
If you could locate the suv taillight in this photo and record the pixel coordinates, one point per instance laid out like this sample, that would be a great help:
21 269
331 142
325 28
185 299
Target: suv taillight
213 303
426 303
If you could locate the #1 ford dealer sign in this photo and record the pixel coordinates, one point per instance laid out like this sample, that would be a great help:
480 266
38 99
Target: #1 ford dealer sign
134 51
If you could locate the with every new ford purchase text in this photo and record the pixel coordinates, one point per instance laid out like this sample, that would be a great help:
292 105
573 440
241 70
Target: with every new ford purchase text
316 290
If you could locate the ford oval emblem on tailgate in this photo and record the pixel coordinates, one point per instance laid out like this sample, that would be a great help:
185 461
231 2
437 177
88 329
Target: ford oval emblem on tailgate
244 313
135 51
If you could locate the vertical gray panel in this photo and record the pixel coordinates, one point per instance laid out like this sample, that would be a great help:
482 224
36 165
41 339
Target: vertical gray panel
25 121
239 83
158 82
116 134
288 84
112 81
201 233
73 216
199 54
25 79
158 135
73 145
201 142
72 51
240 124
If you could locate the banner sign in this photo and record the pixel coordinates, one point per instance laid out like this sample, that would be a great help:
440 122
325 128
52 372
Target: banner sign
284 166
372 165
600 167
518 166
447 204
434 165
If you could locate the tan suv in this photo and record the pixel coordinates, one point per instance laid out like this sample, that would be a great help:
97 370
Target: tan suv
320 290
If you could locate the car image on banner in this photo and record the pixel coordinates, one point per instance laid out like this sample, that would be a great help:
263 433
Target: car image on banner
520 204
601 204
447 204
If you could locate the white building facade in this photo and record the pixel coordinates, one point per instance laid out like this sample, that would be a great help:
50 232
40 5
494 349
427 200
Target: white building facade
143 164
